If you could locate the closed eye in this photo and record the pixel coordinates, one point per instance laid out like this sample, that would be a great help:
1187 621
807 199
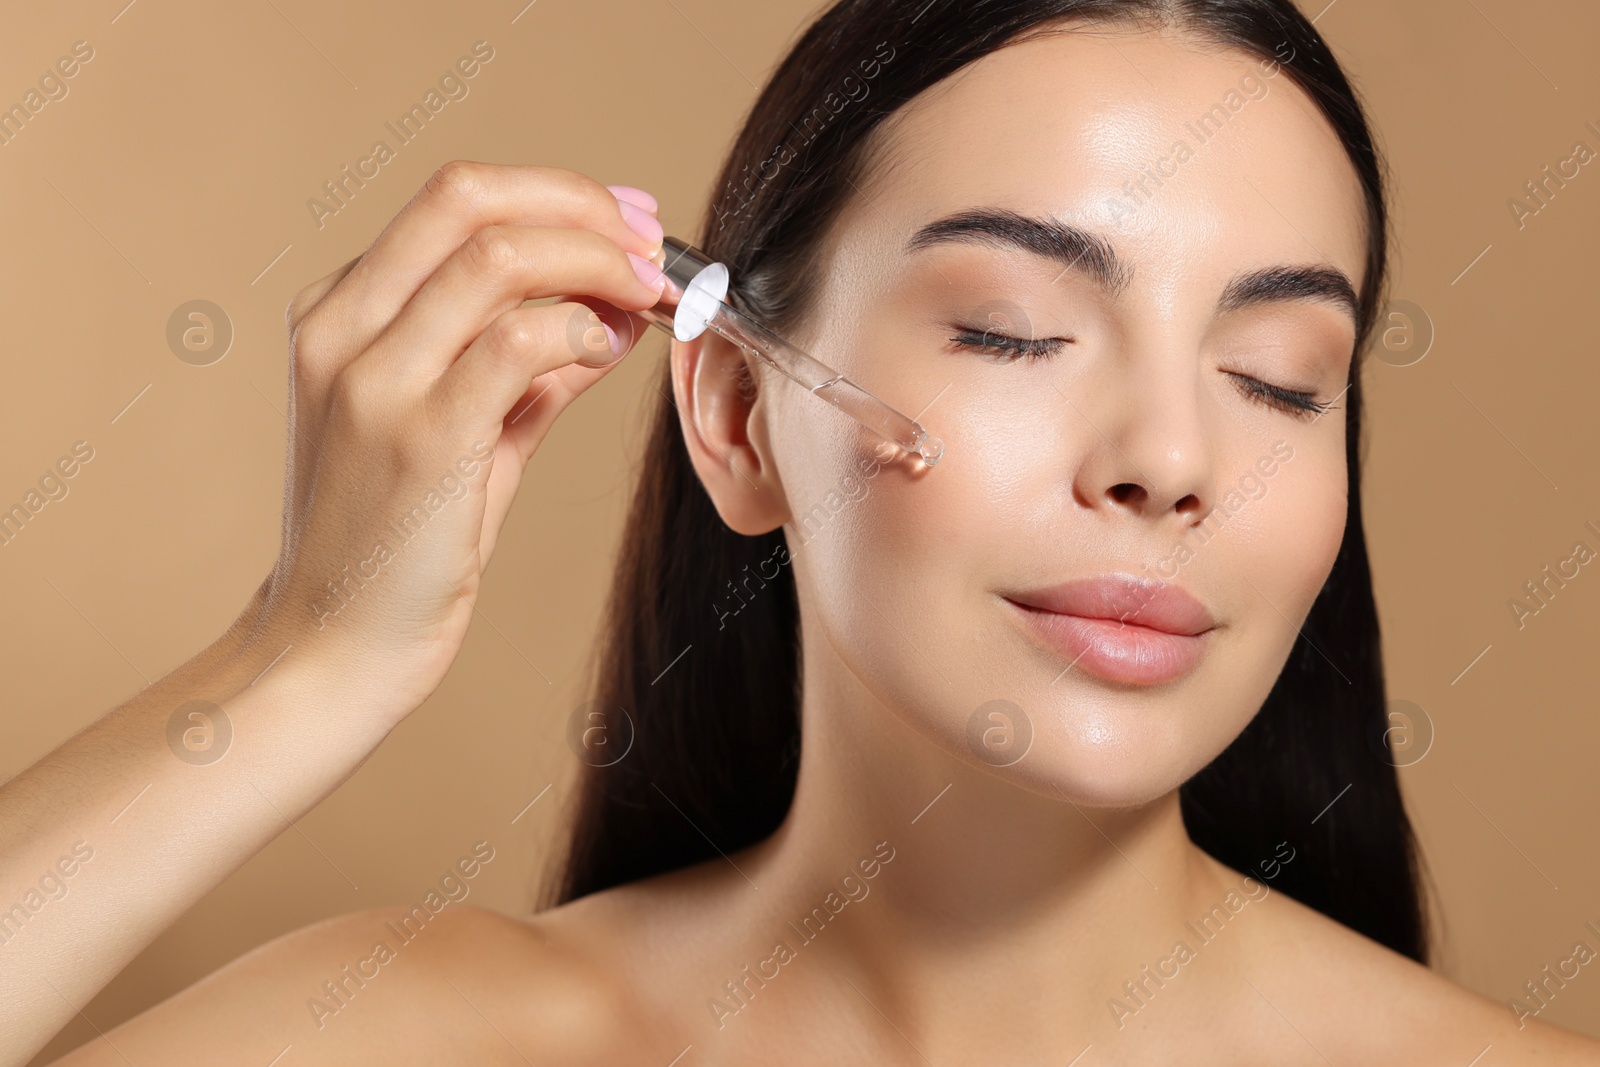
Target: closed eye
1006 348
1290 401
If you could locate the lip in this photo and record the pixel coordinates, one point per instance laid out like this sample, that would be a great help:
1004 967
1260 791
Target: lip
1119 627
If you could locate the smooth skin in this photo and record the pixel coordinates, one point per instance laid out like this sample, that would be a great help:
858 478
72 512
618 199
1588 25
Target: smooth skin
990 914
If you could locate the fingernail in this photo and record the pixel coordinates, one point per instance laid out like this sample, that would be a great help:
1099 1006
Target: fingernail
642 223
636 197
648 272
599 359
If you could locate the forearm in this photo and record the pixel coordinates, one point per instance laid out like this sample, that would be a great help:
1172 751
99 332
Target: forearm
106 841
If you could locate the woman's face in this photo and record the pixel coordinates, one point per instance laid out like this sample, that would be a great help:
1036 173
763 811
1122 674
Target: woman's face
1119 433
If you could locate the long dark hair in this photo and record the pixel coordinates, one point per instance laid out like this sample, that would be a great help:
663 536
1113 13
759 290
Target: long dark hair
713 709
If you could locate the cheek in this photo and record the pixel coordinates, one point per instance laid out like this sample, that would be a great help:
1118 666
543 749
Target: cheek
1289 542
1267 564
888 577
899 584
896 548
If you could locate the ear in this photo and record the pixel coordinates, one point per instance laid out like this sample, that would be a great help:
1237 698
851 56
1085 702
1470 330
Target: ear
724 419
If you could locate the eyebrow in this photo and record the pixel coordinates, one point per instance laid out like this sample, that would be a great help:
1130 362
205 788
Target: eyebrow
1319 283
1092 254
1072 246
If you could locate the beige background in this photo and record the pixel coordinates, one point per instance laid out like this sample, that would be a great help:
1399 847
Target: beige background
179 166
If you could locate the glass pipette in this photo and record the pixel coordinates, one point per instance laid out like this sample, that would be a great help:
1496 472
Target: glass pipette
695 300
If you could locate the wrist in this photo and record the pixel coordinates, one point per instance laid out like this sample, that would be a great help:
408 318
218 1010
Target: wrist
304 671
345 672
256 652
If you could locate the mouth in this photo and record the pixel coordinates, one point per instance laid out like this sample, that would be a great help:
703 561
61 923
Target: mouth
1119 628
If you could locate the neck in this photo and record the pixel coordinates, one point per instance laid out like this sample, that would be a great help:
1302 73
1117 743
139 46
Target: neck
983 868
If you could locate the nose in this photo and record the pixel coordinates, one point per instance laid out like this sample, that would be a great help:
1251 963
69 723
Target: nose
1150 448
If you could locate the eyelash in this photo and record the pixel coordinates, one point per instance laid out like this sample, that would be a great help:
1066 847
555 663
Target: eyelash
1010 349
1297 404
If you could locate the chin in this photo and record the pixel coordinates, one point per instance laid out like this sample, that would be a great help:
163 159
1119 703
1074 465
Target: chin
1099 747
1127 775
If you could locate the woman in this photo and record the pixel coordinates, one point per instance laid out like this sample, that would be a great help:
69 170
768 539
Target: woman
1001 760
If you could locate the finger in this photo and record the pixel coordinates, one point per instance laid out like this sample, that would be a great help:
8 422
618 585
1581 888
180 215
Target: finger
494 271
460 198
312 295
497 371
627 325
637 197
533 412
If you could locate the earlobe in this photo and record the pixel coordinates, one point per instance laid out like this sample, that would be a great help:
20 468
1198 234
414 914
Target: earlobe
723 419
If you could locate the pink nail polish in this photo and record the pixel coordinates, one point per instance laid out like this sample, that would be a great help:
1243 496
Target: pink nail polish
648 272
636 197
642 223
600 359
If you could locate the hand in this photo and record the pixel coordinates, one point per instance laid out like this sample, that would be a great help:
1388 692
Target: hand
419 390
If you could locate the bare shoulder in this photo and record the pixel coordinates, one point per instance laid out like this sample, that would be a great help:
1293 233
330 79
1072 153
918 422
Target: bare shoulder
389 985
1367 1003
